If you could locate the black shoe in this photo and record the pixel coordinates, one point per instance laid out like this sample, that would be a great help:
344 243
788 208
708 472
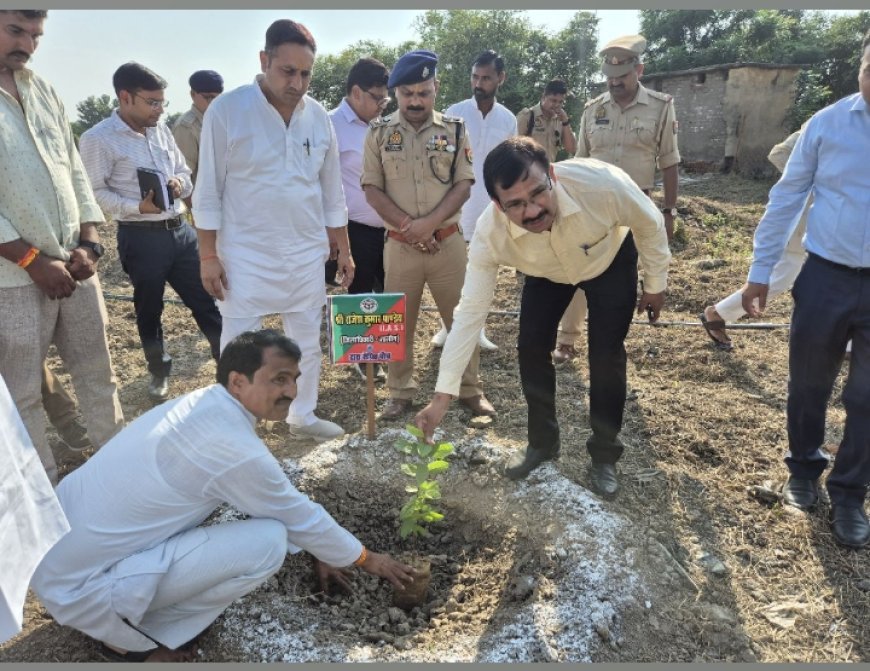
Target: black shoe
604 480
850 526
801 493
523 463
158 388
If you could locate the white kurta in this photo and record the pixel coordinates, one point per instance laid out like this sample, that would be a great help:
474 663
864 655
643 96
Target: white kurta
485 133
31 520
164 474
269 190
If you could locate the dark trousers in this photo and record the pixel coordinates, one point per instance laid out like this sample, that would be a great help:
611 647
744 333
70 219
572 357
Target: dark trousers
831 305
153 257
367 248
611 297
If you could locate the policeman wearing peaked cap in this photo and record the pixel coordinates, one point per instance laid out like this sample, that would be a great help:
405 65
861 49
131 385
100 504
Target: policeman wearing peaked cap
417 173
205 86
634 128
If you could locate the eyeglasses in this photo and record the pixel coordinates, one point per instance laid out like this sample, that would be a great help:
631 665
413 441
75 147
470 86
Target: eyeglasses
382 102
207 96
153 104
516 209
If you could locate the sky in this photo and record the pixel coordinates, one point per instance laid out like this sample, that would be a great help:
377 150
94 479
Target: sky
82 48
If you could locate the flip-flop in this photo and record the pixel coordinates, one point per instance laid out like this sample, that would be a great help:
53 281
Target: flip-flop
715 325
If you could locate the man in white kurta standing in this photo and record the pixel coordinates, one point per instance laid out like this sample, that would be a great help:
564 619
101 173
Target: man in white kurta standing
137 571
268 204
488 123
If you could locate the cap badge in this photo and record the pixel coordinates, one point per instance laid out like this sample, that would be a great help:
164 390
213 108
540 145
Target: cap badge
425 72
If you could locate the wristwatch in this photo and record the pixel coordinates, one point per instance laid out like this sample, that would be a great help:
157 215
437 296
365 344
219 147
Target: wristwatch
670 210
95 247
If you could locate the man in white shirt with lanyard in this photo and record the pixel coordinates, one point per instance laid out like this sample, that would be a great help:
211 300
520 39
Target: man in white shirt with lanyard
137 571
268 205
488 122
365 99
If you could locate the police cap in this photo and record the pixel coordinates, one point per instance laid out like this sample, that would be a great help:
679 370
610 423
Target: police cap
206 81
413 68
622 54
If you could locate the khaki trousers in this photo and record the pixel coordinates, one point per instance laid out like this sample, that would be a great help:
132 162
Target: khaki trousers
572 321
30 322
407 270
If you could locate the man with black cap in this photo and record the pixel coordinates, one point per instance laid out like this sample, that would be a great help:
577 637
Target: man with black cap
631 127
417 174
205 86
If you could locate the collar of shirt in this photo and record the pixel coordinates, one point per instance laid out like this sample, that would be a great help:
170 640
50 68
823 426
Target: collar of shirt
640 98
565 207
249 415
429 122
262 97
347 113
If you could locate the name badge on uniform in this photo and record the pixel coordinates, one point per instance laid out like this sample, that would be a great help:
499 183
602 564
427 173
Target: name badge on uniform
394 142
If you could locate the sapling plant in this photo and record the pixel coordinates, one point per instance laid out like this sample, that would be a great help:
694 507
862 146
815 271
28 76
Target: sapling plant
426 462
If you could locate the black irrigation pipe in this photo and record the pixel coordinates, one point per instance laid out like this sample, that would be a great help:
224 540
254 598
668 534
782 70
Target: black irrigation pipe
763 326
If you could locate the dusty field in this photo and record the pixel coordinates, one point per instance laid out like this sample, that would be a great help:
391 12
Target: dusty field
745 580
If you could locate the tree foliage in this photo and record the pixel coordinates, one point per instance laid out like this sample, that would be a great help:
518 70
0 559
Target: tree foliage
828 46
330 71
91 111
532 55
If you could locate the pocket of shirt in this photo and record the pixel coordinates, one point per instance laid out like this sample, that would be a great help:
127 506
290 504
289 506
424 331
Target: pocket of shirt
439 163
311 157
53 143
395 165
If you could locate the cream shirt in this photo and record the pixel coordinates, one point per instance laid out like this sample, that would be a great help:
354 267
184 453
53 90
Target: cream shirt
45 195
165 473
597 205
269 190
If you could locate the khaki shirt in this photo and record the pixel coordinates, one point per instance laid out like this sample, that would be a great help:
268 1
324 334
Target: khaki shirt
186 131
412 167
546 132
596 205
637 138
780 152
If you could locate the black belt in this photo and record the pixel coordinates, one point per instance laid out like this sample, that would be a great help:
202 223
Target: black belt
839 266
162 224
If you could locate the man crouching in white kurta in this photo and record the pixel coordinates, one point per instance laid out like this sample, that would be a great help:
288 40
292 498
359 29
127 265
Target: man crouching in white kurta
136 571
269 205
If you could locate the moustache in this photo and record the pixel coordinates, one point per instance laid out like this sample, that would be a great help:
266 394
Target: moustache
20 54
531 221
283 400
414 108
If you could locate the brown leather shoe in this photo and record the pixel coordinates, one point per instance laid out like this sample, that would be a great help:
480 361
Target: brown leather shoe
395 408
564 354
479 406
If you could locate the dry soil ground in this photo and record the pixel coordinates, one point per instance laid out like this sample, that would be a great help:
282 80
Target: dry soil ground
704 429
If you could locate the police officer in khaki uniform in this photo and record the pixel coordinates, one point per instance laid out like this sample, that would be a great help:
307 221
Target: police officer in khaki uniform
205 86
547 122
634 128
417 174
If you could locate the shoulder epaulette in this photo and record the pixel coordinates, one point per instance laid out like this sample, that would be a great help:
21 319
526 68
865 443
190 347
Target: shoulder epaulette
667 97
452 119
382 121
597 99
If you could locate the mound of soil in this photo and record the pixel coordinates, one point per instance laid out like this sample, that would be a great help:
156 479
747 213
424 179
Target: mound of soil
695 560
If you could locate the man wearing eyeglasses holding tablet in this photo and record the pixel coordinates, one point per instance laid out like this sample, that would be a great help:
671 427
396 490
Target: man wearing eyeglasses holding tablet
569 225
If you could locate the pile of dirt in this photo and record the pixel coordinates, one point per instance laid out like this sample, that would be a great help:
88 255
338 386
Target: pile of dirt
697 531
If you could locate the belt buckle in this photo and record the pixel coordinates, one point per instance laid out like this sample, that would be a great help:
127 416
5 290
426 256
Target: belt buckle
171 224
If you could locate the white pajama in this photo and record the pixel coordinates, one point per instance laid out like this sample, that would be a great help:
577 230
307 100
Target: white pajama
210 568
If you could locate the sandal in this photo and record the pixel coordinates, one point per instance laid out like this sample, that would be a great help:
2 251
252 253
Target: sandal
129 656
716 325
